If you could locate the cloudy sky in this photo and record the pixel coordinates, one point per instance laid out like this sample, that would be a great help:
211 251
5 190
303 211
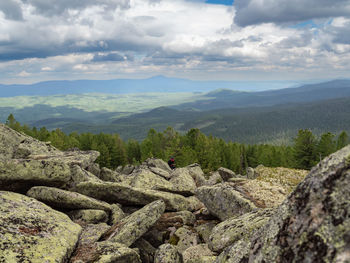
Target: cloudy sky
196 39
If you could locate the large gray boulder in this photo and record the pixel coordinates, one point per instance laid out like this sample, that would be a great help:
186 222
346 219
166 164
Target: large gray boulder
182 182
167 253
30 231
312 224
132 227
154 162
197 174
62 199
226 174
241 227
223 201
126 195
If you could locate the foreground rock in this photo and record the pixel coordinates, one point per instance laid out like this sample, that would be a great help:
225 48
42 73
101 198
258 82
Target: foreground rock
312 224
223 201
30 231
115 192
62 199
167 253
242 227
132 227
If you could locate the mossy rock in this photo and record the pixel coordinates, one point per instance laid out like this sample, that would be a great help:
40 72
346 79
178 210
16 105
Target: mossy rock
30 231
88 216
167 253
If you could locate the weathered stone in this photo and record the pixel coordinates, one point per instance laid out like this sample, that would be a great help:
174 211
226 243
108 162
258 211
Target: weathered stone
183 182
20 175
196 252
62 199
251 174
31 231
89 216
153 162
109 176
167 253
242 227
175 219
92 233
111 252
186 237
197 174
236 253
203 259
163 173
214 178
128 169
79 175
226 174
223 201
147 251
312 224
132 227
117 214
204 230
148 180
94 168
194 203
115 192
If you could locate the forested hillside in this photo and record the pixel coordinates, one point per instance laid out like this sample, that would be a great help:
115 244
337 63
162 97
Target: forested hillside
193 147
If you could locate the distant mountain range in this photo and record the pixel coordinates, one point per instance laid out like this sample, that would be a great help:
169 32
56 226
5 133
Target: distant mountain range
251 117
123 86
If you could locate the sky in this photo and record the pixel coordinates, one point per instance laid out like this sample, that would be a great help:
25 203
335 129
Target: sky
243 40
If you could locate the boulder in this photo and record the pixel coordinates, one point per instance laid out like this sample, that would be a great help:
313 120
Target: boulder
94 168
167 253
147 251
196 252
236 253
214 178
88 216
79 175
158 171
184 238
251 174
128 169
108 175
111 252
117 214
92 233
175 219
242 227
205 230
132 227
223 201
115 192
197 174
226 174
62 199
182 182
153 162
148 180
31 231
312 224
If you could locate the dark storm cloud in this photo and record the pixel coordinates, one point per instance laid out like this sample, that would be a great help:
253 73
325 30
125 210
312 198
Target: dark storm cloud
251 12
54 7
11 9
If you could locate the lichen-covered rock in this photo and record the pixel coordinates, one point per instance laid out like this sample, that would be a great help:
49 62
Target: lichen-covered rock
92 233
226 174
251 174
159 163
20 175
236 253
79 175
167 253
108 175
312 224
197 174
196 252
233 229
214 178
94 168
204 230
184 238
89 216
147 251
203 259
117 214
183 182
148 180
223 201
158 171
132 227
194 203
126 195
30 231
62 199
128 169
111 252
175 219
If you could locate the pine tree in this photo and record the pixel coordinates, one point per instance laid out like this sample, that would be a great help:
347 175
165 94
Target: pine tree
304 149
343 140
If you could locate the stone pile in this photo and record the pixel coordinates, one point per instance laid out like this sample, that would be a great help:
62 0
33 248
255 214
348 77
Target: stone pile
62 207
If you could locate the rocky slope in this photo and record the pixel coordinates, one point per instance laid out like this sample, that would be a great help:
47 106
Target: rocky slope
61 207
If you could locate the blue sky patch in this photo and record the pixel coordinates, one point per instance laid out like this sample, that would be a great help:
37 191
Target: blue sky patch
220 2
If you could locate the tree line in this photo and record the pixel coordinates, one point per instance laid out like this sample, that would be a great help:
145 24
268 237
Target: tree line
193 147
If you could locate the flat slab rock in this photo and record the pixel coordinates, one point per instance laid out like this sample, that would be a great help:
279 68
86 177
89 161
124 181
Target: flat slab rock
30 231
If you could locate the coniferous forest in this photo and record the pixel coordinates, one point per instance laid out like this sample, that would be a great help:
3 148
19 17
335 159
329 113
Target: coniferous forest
193 147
